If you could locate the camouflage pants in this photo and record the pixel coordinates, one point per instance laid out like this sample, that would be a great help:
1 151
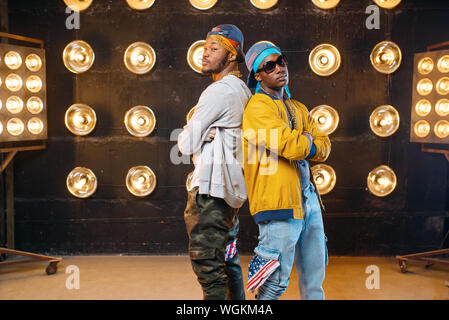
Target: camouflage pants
212 224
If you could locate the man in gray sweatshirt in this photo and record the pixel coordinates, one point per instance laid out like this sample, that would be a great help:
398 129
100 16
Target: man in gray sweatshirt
217 189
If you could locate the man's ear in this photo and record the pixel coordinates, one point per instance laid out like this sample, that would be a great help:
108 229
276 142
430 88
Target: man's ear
258 77
232 57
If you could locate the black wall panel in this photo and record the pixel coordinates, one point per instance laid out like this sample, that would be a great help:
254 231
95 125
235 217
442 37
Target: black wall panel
49 219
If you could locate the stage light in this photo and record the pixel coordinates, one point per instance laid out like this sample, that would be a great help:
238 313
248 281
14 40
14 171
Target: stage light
384 121
203 4
422 128
386 57
34 84
264 4
381 181
78 56
425 65
190 113
139 58
189 180
13 82
80 119
441 129
324 177
423 107
78 5
33 62
13 60
326 118
326 4
35 126
140 181
387 4
195 56
442 86
35 105
443 64
424 87
14 104
81 182
442 107
140 4
15 126
140 121
324 59
23 94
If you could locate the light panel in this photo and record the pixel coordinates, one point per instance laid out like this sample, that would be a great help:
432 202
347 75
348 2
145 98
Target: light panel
430 97
381 181
80 119
78 56
324 59
141 181
384 121
81 182
22 93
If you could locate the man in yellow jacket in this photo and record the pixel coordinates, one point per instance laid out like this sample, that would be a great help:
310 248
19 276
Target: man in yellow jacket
279 136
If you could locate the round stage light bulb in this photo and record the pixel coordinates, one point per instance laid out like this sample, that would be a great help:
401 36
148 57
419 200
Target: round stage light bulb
1 128
384 121
195 56
324 59
423 107
387 4
441 129
324 177
35 105
78 5
203 4
140 181
442 86
424 87
33 62
190 113
425 65
14 104
443 64
13 82
35 126
421 128
189 180
442 107
15 126
326 4
140 4
264 4
381 181
140 121
34 84
326 118
80 119
81 182
13 60
78 56
139 58
386 57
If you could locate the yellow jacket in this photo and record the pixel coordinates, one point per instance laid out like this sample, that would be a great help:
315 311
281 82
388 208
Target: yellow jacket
270 151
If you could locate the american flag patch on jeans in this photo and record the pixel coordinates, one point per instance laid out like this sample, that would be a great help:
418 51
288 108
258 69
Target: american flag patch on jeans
231 250
259 271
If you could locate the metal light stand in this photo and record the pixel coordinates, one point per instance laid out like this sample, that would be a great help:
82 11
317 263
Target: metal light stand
429 256
11 152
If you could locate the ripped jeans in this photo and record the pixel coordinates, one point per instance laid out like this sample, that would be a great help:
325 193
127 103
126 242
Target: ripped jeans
279 240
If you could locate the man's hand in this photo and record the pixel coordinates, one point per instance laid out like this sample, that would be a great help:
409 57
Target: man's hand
211 134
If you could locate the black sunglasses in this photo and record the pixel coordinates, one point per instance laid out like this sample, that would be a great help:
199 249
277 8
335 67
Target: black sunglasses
270 66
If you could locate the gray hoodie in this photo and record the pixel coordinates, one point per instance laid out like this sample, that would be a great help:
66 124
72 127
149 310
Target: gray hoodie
218 163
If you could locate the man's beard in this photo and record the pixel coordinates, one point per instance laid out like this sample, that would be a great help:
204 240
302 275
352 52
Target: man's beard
220 66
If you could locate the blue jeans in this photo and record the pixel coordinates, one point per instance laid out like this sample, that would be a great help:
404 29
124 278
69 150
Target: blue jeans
280 240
